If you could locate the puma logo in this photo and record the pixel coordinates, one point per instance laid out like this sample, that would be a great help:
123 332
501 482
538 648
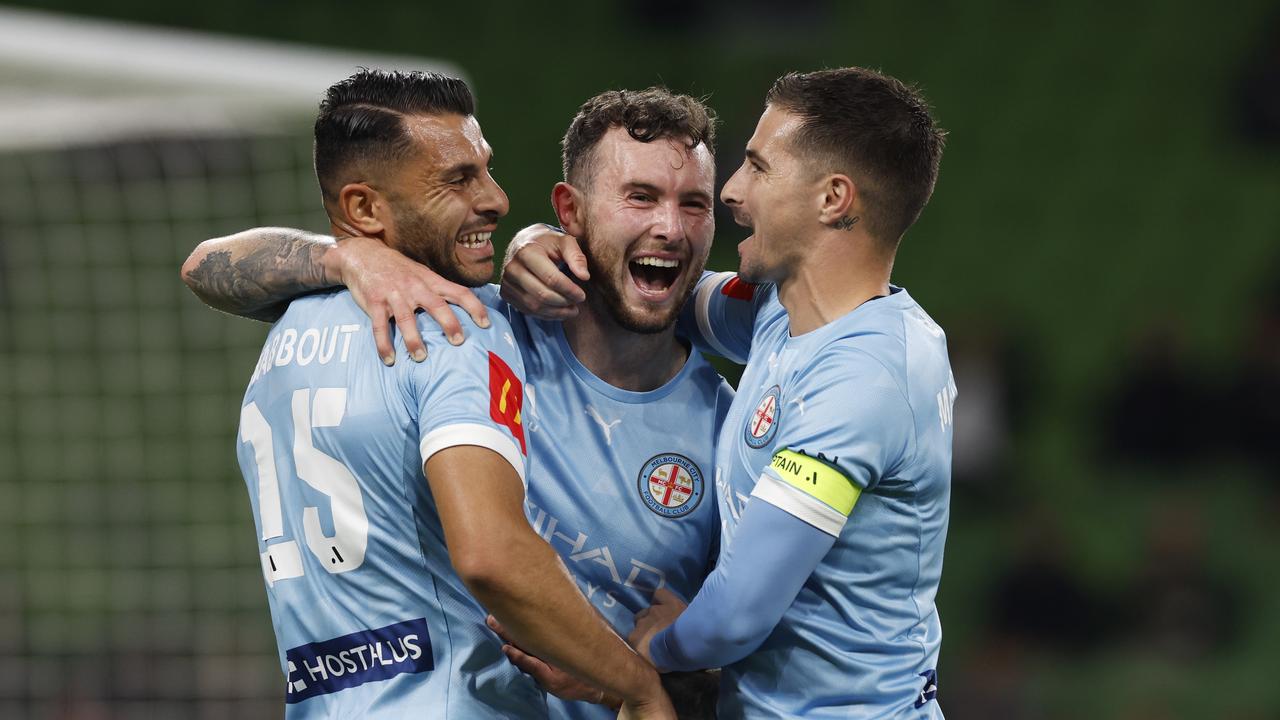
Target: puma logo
606 426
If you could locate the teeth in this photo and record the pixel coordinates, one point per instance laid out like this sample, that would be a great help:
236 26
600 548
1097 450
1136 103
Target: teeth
475 240
657 262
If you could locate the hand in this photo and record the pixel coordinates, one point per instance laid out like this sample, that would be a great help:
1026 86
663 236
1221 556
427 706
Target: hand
387 284
549 677
531 278
654 619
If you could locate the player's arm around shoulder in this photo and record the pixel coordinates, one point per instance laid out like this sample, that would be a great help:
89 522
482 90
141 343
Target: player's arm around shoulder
257 272
722 314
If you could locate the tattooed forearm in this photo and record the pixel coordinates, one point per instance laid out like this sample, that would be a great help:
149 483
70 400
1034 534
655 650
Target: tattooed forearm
847 223
256 274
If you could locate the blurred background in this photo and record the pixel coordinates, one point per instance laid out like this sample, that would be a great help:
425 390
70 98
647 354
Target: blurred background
1102 249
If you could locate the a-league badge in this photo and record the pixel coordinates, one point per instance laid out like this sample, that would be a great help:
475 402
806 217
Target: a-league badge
670 485
762 424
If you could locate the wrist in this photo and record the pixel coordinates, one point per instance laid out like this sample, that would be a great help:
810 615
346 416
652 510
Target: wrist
338 258
649 688
526 236
333 261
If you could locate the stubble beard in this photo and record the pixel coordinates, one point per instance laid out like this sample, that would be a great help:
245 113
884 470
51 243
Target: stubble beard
422 242
605 286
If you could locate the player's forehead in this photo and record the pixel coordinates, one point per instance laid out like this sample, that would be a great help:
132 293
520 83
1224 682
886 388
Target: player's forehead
773 133
668 164
448 140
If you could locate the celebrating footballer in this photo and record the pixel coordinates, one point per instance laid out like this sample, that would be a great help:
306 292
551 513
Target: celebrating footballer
791 534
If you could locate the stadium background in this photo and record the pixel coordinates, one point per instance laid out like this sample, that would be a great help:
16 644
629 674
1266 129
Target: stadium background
1101 249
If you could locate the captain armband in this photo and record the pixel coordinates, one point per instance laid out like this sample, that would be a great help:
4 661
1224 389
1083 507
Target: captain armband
809 488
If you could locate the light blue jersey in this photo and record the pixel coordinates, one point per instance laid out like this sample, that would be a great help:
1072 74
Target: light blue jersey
370 617
847 428
620 482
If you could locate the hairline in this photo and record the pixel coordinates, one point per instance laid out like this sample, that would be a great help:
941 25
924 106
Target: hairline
587 160
409 140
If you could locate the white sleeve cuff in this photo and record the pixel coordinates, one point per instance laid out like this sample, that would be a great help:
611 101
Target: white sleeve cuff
474 434
702 310
800 504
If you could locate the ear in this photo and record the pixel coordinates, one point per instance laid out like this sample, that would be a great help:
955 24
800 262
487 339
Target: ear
570 208
839 199
363 210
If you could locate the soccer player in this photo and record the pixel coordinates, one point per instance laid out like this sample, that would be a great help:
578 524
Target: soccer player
833 465
379 582
620 415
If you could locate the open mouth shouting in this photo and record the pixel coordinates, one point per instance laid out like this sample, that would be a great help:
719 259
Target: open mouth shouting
654 276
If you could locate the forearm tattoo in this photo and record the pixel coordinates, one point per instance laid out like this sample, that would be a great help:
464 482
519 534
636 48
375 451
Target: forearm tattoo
259 283
847 223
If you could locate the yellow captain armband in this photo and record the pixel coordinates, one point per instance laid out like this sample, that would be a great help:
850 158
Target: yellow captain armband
817 478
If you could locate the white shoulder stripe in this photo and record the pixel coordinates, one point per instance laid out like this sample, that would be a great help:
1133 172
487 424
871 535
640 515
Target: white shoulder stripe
474 434
702 309
800 504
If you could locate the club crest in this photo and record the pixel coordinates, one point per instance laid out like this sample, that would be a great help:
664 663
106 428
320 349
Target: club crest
670 485
762 423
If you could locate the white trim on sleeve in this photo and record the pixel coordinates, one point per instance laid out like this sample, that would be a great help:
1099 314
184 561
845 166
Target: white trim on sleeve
702 311
800 504
474 434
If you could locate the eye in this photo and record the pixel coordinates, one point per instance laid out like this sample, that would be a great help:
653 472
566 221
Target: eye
640 197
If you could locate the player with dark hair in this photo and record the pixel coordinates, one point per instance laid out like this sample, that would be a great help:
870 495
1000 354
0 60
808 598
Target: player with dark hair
833 464
822 604
382 614
620 415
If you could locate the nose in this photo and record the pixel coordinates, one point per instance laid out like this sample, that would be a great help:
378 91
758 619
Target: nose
731 193
668 223
492 200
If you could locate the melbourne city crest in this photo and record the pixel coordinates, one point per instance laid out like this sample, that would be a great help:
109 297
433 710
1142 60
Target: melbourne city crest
670 485
762 423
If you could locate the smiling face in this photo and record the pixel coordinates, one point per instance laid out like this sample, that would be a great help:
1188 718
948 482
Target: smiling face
648 225
444 203
773 194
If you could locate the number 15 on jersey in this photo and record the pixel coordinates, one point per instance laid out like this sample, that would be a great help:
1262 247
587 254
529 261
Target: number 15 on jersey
338 553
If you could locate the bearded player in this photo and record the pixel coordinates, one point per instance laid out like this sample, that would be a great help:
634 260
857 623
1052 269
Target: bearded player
833 465
620 415
379 582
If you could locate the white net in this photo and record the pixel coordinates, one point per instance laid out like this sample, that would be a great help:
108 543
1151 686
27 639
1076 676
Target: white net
129 585
129 580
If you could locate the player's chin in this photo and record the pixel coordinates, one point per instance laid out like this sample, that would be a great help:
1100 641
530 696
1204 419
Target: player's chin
647 318
751 269
474 272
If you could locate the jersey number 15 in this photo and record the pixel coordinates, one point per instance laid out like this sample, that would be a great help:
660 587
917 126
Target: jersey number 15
344 550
